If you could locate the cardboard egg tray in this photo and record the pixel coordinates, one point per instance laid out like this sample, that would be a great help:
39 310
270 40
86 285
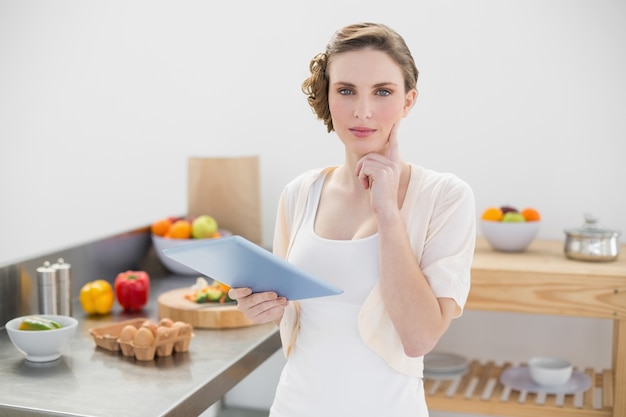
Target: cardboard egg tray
172 339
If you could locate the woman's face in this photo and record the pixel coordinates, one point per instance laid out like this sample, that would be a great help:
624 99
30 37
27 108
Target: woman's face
366 97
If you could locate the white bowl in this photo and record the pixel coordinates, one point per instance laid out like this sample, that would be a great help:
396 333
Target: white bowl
161 243
509 237
549 372
42 345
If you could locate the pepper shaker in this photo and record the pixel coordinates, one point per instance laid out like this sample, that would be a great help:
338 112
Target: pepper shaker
47 289
64 290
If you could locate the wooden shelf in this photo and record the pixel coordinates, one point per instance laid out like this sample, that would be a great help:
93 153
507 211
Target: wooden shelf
479 391
541 280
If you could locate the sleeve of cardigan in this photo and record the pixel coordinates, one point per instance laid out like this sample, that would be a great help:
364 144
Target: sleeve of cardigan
449 249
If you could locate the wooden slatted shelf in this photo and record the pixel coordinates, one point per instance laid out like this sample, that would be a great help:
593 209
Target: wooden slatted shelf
541 280
479 391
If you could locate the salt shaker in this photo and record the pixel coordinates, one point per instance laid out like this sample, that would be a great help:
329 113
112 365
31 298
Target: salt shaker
47 288
64 288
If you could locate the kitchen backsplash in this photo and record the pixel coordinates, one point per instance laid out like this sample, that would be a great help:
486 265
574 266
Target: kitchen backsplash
102 259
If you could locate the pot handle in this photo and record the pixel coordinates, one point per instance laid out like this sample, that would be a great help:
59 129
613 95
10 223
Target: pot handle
591 221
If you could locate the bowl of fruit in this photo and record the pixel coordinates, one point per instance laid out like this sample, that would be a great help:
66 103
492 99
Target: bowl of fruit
508 229
41 337
172 232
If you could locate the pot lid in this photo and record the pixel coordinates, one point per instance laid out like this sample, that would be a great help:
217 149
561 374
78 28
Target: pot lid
591 228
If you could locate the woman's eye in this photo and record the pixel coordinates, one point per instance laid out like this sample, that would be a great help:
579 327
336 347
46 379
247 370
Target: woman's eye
345 91
383 93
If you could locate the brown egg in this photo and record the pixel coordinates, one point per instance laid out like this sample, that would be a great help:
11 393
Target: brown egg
128 333
182 328
150 325
165 322
143 337
164 332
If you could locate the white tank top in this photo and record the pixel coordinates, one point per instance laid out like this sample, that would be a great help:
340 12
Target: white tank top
330 371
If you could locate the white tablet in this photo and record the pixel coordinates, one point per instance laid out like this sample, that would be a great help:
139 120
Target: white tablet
237 262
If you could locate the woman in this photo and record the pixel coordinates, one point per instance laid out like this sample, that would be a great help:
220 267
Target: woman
396 237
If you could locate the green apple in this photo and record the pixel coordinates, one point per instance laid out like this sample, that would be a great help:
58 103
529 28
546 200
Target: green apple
203 227
513 217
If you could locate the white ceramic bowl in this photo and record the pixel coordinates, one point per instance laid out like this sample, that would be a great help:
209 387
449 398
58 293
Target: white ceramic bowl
509 237
161 243
42 345
549 372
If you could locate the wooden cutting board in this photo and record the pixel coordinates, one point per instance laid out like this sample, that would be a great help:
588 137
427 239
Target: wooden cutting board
174 305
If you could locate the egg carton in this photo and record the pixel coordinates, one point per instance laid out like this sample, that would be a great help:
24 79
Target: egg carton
171 339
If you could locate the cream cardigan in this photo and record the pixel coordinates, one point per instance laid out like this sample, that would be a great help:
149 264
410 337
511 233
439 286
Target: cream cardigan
439 213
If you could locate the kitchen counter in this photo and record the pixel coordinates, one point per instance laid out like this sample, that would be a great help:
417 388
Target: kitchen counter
90 381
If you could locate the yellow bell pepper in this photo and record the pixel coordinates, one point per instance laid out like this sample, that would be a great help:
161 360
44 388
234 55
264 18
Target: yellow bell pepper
97 297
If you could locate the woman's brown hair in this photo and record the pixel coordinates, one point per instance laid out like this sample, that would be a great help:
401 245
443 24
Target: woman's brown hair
350 38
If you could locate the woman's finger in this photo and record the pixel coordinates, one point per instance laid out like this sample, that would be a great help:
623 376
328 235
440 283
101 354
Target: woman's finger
393 153
237 293
360 172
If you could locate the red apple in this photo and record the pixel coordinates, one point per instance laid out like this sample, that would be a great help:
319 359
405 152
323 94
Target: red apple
508 209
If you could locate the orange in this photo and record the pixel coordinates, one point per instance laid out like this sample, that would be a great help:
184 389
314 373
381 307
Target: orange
180 229
493 214
531 215
160 227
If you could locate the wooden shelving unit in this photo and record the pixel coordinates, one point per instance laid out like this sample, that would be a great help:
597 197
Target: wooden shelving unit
541 280
479 391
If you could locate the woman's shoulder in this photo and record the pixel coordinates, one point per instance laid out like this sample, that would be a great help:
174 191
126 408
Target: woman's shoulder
423 178
304 180
304 177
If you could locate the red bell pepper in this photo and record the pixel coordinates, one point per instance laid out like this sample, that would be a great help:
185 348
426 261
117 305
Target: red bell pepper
132 289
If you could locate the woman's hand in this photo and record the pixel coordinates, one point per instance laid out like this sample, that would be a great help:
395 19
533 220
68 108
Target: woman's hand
381 174
261 307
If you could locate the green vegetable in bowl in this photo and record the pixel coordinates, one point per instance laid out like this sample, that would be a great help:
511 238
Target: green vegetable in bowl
39 323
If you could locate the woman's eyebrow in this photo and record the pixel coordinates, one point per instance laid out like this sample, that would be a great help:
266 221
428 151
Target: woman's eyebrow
344 83
377 85
386 84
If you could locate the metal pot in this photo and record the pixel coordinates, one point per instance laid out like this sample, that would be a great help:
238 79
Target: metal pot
591 242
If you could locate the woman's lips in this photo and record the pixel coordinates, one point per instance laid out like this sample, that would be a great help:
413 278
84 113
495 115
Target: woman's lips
362 132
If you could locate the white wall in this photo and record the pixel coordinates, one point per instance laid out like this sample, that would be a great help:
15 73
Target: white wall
101 104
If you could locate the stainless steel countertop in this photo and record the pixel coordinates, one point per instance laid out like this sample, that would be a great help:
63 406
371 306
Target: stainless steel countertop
90 381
